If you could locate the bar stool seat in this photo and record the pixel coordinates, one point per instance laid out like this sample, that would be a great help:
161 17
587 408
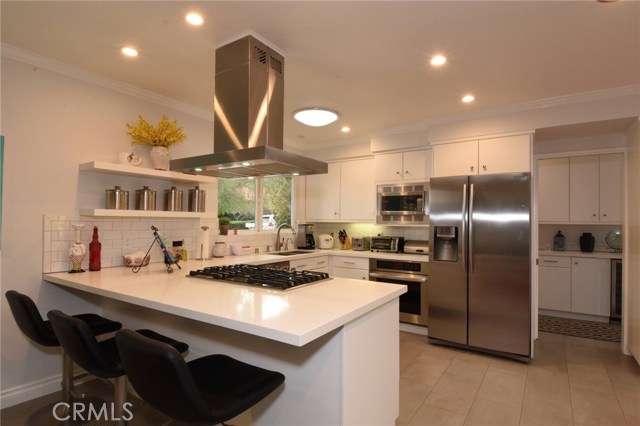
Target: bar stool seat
38 330
211 389
100 358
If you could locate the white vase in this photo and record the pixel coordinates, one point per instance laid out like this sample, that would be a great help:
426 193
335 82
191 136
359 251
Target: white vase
160 157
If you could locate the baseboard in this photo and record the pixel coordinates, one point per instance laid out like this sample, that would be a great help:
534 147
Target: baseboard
415 329
571 315
29 391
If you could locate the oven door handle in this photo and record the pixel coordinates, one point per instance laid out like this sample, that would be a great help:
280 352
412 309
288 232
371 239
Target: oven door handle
399 276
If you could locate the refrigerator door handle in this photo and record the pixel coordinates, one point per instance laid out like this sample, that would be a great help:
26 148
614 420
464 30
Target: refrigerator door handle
471 227
463 233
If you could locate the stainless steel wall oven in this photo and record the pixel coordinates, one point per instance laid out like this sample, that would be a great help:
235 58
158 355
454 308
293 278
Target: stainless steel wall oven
413 304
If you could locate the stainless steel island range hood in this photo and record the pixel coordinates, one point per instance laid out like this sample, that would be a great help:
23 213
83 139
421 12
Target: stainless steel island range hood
248 117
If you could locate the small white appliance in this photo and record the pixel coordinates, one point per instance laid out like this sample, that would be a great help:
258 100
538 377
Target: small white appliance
325 241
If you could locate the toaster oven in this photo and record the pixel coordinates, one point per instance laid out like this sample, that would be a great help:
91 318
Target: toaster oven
387 244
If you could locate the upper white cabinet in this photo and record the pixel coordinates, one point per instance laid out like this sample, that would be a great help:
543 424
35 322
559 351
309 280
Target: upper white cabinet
346 192
484 156
553 189
409 165
581 189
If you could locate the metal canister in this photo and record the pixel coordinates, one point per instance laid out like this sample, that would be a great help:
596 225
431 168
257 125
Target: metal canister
117 199
196 199
145 199
173 200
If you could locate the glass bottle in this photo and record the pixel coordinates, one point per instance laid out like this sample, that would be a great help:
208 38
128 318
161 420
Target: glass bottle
94 251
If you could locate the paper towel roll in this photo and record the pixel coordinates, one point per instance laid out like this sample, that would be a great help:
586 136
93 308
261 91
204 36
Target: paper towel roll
203 245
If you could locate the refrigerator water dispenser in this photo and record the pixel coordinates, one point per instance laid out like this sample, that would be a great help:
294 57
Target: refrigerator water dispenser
446 244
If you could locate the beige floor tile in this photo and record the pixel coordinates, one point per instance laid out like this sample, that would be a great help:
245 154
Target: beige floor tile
625 371
539 410
589 376
429 415
412 394
580 341
453 393
582 354
550 337
469 367
489 413
511 365
550 355
629 398
552 384
595 408
425 369
409 350
441 351
503 387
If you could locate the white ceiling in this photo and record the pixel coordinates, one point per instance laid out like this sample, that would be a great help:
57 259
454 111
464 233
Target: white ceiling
369 60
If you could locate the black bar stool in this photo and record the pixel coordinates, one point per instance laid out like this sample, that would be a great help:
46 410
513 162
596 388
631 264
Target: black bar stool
211 389
100 358
30 322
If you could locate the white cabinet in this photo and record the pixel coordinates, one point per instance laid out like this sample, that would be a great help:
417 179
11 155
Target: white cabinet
485 156
554 283
553 190
409 165
319 264
575 284
581 189
611 187
346 192
350 267
590 286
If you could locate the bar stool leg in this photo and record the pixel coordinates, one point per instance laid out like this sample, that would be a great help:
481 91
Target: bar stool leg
67 377
120 398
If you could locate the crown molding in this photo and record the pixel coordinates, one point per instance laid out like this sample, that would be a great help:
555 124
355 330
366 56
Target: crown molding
575 98
44 62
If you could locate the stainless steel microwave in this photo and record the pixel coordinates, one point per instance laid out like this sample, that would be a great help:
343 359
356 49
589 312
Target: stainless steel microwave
403 204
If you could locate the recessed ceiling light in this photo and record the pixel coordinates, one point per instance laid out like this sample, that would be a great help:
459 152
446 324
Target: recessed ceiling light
438 60
194 18
129 51
345 129
316 117
468 98
198 169
295 174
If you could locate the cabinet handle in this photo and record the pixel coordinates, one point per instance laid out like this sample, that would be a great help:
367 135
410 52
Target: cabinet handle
484 167
302 266
594 215
575 263
398 172
321 263
604 214
406 172
471 168
349 263
549 261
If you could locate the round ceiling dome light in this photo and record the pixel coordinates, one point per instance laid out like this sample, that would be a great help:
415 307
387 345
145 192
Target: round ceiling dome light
468 99
129 51
194 18
315 117
438 60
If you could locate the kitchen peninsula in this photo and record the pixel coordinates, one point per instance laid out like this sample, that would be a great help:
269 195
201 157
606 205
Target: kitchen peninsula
336 341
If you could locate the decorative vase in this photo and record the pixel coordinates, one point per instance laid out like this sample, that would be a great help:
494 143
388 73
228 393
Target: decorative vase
77 251
160 157
587 242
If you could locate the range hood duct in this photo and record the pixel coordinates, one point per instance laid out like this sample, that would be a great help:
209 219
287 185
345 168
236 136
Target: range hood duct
248 117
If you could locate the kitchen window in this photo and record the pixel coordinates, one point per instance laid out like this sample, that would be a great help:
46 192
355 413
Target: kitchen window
237 200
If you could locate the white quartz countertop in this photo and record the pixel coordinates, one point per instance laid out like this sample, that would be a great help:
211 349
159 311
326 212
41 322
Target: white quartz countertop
296 317
570 253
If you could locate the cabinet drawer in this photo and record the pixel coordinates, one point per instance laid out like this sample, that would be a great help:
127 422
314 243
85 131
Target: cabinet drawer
310 264
555 261
351 262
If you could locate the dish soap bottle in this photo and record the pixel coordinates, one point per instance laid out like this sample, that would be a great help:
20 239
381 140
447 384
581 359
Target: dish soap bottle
94 251
558 242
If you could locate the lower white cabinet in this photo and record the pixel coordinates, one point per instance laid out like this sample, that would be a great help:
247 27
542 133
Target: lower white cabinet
590 286
350 267
575 284
554 283
319 264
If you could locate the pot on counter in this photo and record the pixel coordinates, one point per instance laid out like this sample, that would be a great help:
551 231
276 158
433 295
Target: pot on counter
325 241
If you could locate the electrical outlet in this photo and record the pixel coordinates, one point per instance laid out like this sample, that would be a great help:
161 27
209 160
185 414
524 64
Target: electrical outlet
126 243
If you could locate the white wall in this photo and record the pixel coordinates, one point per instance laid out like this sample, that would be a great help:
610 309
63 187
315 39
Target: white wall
51 123
631 272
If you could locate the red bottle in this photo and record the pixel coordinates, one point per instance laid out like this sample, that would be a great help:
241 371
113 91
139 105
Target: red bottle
94 251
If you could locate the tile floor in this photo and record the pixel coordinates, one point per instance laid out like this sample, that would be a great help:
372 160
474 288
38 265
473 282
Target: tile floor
571 381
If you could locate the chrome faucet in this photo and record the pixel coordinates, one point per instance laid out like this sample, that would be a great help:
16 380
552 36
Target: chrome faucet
279 244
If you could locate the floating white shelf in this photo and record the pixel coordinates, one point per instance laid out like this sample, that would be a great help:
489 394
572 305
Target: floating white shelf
126 170
144 213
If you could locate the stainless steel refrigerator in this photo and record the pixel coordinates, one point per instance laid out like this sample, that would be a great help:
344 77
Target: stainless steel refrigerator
479 287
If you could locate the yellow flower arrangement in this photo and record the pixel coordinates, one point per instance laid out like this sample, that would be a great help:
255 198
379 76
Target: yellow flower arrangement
166 133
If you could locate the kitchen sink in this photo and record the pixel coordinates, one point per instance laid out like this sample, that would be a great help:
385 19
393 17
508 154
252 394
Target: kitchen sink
290 253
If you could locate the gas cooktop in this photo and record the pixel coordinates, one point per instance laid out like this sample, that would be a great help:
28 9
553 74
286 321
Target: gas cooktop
261 276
